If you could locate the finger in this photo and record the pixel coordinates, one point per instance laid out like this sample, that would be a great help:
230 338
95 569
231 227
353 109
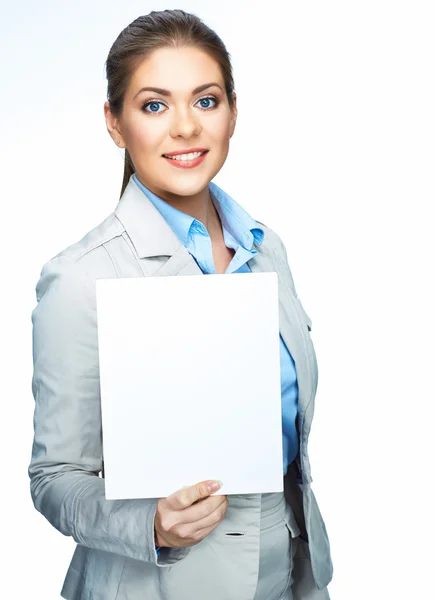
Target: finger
203 526
200 511
187 496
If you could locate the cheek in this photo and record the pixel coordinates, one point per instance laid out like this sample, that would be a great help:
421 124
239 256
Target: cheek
141 141
141 137
144 134
220 130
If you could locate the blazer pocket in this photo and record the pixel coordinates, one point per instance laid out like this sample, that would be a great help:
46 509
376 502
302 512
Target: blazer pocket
219 567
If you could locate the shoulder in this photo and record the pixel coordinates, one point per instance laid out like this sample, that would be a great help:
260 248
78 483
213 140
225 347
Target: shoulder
93 242
76 267
272 242
87 255
274 247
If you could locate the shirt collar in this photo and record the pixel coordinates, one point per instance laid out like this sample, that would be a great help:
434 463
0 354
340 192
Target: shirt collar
234 218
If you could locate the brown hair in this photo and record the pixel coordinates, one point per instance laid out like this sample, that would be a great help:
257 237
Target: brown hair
166 28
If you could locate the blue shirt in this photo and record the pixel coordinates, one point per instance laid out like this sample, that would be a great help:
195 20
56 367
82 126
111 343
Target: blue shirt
240 232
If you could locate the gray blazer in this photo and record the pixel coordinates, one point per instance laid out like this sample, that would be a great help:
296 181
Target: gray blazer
115 558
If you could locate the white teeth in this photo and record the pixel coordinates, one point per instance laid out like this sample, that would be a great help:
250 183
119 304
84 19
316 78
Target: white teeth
189 156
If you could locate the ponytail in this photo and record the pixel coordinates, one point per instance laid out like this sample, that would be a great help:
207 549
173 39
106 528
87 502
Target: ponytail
128 171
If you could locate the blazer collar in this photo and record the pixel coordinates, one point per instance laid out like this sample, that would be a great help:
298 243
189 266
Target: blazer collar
148 230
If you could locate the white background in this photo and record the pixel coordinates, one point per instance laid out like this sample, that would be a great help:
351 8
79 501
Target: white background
334 149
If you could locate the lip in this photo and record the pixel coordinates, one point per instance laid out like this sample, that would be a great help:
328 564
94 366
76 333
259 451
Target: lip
187 164
185 151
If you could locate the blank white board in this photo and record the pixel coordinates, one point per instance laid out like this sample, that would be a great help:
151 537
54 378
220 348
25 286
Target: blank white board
190 383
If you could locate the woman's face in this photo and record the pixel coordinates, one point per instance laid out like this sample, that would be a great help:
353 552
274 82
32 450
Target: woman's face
154 123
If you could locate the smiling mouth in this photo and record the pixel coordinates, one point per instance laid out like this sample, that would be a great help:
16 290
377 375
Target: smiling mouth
185 157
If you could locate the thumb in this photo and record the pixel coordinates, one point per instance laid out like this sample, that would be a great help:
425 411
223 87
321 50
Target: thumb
188 496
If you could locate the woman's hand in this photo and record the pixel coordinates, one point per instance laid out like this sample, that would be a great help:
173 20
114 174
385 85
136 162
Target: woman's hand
189 515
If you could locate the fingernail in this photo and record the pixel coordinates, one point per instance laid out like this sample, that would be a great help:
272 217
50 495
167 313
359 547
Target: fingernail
213 486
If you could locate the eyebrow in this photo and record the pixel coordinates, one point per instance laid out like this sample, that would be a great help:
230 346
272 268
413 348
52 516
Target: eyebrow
163 92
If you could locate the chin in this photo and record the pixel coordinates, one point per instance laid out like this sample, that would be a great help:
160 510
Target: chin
186 189
187 184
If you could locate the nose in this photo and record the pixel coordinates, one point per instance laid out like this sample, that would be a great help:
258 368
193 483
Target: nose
185 124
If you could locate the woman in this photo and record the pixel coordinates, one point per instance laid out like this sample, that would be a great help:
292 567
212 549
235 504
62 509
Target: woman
172 107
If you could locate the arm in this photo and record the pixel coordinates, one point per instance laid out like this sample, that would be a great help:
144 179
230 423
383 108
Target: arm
67 447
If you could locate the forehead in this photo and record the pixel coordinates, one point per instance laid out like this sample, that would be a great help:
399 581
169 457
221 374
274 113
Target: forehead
176 69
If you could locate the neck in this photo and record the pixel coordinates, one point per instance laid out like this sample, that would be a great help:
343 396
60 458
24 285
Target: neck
199 206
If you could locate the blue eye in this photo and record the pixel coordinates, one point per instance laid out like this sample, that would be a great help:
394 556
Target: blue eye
207 99
152 103
155 103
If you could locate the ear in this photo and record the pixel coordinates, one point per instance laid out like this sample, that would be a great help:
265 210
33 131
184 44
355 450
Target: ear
112 124
233 115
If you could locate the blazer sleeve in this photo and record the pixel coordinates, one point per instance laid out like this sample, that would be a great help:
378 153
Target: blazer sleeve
67 446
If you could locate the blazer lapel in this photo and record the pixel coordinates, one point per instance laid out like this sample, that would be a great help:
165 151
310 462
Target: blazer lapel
180 263
152 237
